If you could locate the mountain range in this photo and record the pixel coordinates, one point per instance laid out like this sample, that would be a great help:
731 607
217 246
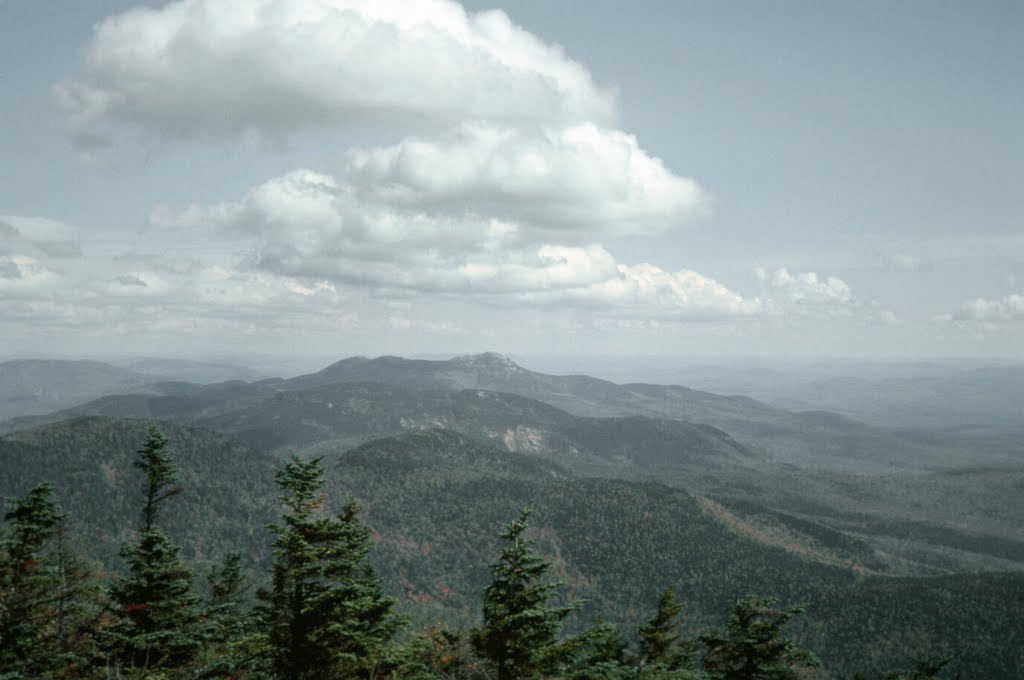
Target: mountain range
888 536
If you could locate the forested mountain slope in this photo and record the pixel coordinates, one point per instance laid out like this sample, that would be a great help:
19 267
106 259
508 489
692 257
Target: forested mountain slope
811 439
927 521
229 486
814 439
435 498
618 543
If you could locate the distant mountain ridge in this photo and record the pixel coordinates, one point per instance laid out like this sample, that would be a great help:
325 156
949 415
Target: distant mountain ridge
30 387
39 386
810 463
811 438
187 370
330 418
872 482
817 439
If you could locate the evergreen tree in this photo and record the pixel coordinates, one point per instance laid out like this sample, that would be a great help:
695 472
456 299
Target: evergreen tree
754 646
599 653
28 580
325 615
157 614
928 668
223 611
77 609
224 620
439 653
47 604
659 638
520 630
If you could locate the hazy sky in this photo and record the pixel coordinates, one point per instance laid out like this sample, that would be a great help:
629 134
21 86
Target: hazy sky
330 177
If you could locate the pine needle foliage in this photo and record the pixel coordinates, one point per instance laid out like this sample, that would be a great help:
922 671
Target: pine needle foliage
27 580
157 613
520 631
754 647
48 605
659 639
325 615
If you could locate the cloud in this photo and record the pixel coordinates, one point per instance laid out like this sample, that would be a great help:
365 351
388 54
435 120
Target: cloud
508 177
1009 308
23 276
384 225
393 230
219 68
575 185
805 289
649 292
506 180
106 291
40 235
579 178
810 296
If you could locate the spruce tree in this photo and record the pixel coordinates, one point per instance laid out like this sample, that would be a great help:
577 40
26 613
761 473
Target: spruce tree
156 611
754 646
439 652
224 621
48 605
598 653
325 615
27 584
223 611
660 643
520 632
77 606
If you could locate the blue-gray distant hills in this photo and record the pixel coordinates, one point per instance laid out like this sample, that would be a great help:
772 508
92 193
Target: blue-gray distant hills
40 386
930 505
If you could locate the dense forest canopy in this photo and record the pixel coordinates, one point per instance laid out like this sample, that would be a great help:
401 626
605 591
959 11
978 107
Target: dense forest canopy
319 609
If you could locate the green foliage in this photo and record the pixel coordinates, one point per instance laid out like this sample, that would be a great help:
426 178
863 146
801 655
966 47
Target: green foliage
48 606
440 652
325 614
26 581
520 631
754 647
659 639
157 614
596 654
929 668
90 461
224 620
435 497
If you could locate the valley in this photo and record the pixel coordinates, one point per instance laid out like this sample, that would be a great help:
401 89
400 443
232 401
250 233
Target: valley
634 488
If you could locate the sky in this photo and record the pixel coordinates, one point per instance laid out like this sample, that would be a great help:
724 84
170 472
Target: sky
688 178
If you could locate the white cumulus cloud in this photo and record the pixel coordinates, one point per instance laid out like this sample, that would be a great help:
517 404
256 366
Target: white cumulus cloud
405 236
805 289
576 178
220 68
1006 308
650 292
